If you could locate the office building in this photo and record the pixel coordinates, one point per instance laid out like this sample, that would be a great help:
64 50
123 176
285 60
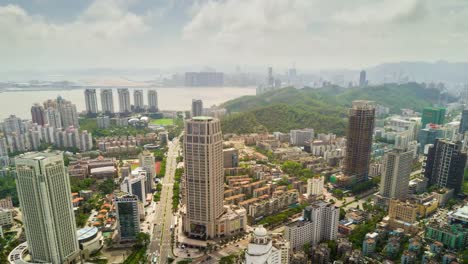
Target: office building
204 172
445 164
301 137
262 249
124 100
153 101
362 78
38 114
315 186
433 115
44 195
359 139
91 101
197 107
127 216
464 122
197 79
53 118
107 101
397 166
138 103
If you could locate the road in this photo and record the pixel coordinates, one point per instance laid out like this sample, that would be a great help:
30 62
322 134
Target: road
161 236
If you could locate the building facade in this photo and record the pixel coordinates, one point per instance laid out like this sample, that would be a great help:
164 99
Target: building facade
38 114
153 101
127 216
44 194
315 186
204 176
444 164
197 107
138 103
124 100
359 139
396 174
107 101
91 101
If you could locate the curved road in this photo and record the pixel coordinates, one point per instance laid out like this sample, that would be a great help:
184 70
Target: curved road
161 236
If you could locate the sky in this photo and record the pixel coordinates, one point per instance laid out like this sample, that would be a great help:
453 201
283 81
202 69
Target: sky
312 34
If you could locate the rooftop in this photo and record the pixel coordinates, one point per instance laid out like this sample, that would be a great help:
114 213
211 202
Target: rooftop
202 118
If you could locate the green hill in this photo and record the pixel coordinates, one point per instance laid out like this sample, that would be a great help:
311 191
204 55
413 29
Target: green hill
323 109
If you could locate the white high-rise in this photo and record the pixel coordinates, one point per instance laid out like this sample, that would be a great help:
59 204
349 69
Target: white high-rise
107 101
44 194
396 174
138 100
153 101
91 101
320 223
315 186
204 172
124 100
147 162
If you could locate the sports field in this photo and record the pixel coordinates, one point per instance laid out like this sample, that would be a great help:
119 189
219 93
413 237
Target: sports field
162 122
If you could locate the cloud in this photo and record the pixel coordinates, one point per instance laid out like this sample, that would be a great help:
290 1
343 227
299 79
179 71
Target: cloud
315 34
103 25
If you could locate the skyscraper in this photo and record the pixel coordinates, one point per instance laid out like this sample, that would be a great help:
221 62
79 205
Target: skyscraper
138 100
44 194
107 101
464 122
433 115
359 139
203 158
38 114
153 101
396 174
362 78
124 100
197 107
445 163
127 215
91 101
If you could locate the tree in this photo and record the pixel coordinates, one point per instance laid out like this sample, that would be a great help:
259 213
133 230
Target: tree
342 213
306 249
107 186
291 167
143 239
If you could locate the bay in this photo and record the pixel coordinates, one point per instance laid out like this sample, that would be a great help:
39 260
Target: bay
170 98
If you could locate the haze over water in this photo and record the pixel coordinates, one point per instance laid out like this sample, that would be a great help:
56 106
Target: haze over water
19 102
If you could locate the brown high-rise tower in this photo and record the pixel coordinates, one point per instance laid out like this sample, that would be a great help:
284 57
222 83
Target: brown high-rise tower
204 175
359 139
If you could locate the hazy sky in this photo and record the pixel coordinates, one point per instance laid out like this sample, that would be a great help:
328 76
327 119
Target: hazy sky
315 34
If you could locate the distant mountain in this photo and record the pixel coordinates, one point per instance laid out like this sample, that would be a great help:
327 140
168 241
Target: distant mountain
441 71
323 109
